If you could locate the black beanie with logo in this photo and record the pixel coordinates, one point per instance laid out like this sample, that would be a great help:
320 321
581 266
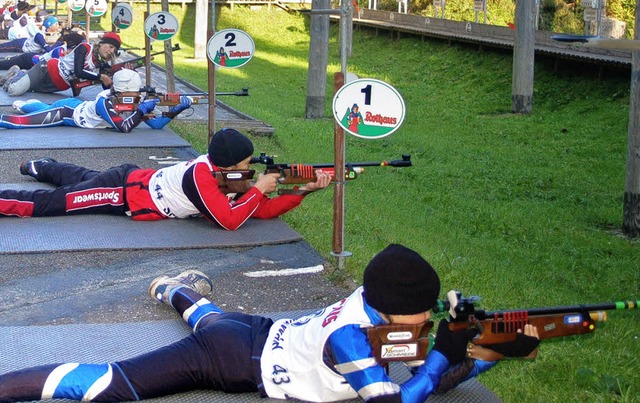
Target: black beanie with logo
229 147
398 281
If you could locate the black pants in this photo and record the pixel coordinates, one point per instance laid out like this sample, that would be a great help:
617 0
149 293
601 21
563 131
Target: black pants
24 61
80 191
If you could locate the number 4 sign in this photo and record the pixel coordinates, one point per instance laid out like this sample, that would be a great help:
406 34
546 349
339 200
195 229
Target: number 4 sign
368 108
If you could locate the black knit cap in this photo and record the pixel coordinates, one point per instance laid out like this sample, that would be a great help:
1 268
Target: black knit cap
229 147
398 281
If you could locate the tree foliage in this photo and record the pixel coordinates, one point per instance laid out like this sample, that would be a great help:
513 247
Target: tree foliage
554 15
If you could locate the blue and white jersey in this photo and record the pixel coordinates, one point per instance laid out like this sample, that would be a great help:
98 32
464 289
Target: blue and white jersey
86 114
293 364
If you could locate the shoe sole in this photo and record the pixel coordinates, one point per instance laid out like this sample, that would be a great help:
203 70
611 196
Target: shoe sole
200 290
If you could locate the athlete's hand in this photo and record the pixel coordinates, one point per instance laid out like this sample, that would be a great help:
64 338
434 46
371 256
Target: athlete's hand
323 179
148 106
106 80
267 183
185 103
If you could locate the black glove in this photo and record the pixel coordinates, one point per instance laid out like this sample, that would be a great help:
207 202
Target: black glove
453 345
521 347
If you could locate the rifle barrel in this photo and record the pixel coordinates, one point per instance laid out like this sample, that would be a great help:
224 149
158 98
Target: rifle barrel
404 162
606 306
443 306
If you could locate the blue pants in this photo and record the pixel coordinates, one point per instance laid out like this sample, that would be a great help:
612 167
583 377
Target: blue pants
14 45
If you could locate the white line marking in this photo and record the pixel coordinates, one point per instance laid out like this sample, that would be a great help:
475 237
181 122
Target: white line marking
285 272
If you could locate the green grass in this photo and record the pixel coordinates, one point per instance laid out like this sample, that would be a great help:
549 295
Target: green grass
523 210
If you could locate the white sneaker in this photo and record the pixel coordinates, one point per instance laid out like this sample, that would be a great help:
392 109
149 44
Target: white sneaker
17 105
160 288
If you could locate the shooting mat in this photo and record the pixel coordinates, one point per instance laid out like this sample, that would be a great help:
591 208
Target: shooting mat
26 346
65 137
106 232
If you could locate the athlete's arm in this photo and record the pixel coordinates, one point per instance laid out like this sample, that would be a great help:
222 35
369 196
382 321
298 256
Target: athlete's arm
106 110
80 55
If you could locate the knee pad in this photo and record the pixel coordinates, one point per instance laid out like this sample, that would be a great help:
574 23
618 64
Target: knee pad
19 86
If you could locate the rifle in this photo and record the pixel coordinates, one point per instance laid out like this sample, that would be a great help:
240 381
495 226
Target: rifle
493 327
173 98
128 102
78 84
242 180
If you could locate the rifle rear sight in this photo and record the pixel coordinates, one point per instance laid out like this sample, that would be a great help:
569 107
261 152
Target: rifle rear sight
463 307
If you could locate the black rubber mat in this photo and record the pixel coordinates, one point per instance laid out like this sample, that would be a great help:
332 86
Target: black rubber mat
64 137
103 232
28 346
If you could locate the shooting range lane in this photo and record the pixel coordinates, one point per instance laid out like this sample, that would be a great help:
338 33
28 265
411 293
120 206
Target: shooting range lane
77 343
75 288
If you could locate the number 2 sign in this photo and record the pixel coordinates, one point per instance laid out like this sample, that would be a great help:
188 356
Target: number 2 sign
368 108
230 48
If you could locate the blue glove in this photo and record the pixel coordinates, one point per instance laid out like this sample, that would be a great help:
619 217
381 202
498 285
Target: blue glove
185 103
148 106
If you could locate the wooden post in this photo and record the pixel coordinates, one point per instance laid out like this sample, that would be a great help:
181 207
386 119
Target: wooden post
147 54
523 57
211 68
318 61
87 24
631 207
200 32
338 189
168 57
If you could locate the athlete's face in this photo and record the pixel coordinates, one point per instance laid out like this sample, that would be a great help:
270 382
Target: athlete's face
242 165
54 28
107 51
415 319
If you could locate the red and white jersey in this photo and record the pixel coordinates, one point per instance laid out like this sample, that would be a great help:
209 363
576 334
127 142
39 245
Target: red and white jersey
190 188
62 70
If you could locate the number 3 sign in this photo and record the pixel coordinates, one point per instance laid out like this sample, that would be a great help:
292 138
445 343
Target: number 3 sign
368 108
230 48
161 26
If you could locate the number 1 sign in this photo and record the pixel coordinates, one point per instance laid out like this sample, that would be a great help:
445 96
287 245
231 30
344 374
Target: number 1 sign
368 108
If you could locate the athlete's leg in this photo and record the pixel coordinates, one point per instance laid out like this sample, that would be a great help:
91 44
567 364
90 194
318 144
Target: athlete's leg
38 106
23 60
14 45
185 293
103 193
70 381
56 173
48 117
